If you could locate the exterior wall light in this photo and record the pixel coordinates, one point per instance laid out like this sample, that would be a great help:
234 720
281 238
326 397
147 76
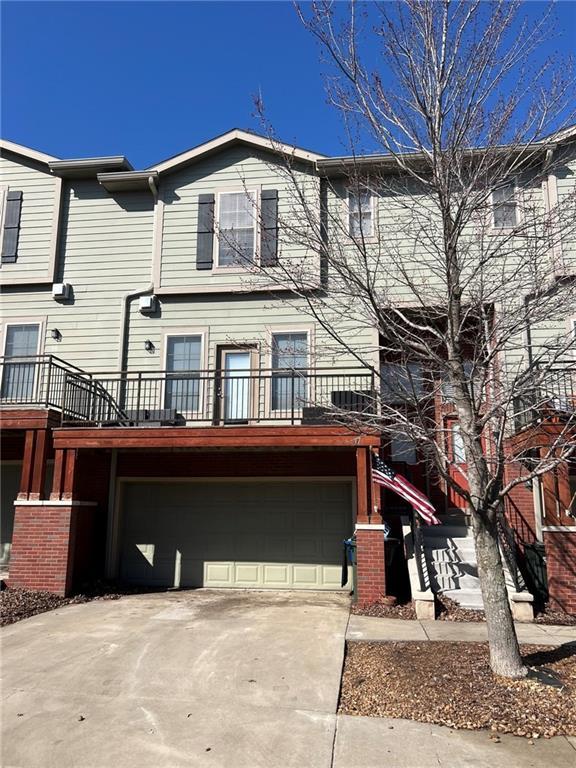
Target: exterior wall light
56 335
149 346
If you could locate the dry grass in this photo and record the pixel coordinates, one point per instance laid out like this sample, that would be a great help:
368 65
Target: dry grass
451 684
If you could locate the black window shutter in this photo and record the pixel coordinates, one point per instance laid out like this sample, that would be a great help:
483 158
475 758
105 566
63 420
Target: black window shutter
269 233
11 227
205 233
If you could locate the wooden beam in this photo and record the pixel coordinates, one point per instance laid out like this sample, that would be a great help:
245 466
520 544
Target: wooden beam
39 468
362 482
28 418
58 477
27 464
69 469
211 437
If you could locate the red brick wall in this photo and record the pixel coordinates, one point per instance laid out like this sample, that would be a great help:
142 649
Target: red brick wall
370 574
519 508
561 567
42 547
237 464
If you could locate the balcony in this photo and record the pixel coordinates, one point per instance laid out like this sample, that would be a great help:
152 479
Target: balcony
548 393
35 381
195 398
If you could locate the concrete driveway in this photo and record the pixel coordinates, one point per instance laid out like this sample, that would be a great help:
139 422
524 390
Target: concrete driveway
204 678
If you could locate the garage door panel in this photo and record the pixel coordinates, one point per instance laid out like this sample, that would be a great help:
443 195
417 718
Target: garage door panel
306 576
285 534
218 574
277 575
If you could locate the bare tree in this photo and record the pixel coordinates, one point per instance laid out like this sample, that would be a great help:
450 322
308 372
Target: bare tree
465 255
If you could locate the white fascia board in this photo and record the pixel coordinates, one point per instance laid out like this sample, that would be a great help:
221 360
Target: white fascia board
235 136
20 149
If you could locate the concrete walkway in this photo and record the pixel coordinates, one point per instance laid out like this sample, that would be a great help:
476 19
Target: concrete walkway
371 628
217 678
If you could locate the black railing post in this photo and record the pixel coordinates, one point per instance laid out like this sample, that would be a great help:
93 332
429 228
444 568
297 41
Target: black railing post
63 405
138 391
48 381
292 399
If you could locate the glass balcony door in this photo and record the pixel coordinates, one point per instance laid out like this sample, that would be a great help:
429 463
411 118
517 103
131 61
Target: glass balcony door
237 385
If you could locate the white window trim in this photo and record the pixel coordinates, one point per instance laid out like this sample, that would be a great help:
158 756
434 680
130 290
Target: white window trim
179 333
310 337
254 190
371 237
513 180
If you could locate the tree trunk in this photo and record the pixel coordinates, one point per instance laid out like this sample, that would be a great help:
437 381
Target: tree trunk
505 658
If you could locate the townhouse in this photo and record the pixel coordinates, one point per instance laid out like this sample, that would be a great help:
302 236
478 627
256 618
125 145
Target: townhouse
163 408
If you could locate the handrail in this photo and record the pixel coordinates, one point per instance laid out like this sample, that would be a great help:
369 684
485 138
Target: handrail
508 552
219 396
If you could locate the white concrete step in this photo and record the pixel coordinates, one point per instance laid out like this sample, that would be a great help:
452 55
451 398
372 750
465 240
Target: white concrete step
467 598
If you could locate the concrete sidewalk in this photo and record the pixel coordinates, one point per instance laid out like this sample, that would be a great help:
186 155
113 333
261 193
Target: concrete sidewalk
375 742
372 628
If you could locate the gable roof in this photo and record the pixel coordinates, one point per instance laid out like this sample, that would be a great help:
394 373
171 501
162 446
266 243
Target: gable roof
20 149
231 138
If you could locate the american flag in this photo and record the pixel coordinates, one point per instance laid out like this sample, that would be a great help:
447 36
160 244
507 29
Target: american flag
384 475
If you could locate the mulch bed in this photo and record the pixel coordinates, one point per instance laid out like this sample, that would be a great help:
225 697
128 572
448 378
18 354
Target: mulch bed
451 684
17 604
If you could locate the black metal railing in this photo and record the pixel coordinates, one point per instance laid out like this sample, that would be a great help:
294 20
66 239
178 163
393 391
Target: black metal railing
36 380
546 391
292 396
509 552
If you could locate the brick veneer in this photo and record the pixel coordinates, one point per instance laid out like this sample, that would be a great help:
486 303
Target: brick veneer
43 546
370 574
561 567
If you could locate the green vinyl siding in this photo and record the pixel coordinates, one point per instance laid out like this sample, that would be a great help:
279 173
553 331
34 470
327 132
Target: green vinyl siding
236 169
38 189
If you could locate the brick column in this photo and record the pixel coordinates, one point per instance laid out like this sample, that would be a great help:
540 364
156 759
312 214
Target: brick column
43 544
560 546
370 558
371 564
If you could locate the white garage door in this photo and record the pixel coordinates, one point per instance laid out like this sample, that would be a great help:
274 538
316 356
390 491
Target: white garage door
276 535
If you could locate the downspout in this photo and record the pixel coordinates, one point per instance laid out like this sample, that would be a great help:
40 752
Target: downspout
127 298
112 542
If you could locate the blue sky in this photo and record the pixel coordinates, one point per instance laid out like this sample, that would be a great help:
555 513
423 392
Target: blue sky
151 79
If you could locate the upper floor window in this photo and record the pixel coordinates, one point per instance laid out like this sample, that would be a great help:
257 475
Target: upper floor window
504 206
360 213
236 228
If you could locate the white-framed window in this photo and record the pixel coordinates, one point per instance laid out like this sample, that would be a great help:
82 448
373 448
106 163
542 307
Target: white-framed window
237 228
360 213
21 342
183 366
290 354
458 450
505 206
